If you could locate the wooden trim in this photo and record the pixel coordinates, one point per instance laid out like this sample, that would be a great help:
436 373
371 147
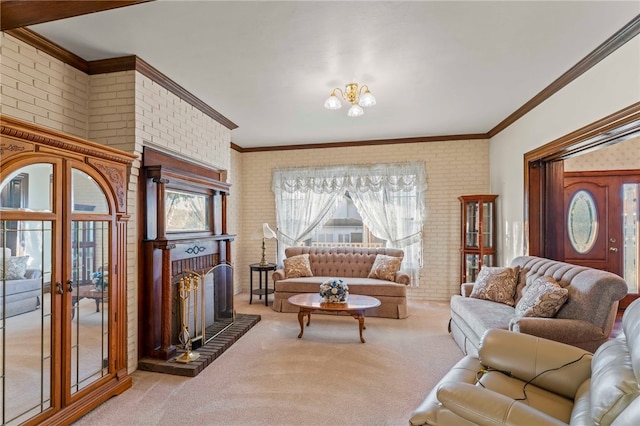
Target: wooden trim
19 129
609 130
147 70
615 127
621 37
603 173
363 143
21 13
50 48
123 63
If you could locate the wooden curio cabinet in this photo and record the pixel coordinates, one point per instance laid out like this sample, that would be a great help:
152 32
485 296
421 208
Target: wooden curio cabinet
63 304
478 236
184 230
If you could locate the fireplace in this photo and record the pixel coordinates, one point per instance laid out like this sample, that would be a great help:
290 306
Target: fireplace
184 238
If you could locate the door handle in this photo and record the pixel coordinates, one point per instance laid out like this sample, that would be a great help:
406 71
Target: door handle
70 286
58 287
613 249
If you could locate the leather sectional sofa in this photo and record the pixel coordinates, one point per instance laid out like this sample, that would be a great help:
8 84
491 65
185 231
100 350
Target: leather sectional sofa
519 379
585 320
353 265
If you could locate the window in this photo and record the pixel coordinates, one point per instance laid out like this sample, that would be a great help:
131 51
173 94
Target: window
380 204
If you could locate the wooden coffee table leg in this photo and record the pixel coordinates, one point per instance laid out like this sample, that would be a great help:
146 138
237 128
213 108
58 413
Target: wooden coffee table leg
362 327
301 321
301 314
359 315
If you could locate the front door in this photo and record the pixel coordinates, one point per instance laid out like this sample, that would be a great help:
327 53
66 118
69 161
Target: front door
601 223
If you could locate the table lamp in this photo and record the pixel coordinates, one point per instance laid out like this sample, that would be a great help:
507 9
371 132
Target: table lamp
264 232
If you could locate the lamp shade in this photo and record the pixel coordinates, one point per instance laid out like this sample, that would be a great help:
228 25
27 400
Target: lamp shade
263 231
355 111
332 103
367 100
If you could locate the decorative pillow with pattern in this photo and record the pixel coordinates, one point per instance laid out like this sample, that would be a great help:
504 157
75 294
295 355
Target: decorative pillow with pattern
542 298
14 268
385 267
497 284
297 266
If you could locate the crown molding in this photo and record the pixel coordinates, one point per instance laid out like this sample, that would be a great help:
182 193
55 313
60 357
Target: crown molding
123 63
417 139
614 42
37 41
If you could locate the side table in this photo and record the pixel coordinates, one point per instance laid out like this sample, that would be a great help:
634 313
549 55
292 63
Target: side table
262 270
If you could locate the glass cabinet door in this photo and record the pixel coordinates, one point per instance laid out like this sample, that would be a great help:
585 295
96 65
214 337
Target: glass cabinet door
478 239
471 223
487 224
37 333
27 319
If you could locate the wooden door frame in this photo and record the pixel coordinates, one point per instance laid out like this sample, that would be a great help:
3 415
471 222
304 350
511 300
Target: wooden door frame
544 165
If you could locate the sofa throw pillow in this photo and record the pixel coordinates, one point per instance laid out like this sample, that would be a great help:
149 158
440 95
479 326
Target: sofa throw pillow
497 284
297 266
385 267
542 298
14 268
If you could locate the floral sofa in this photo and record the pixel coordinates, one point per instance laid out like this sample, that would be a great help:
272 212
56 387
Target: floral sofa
367 271
559 301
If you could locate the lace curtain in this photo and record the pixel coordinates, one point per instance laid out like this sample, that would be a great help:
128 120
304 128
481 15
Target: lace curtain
389 198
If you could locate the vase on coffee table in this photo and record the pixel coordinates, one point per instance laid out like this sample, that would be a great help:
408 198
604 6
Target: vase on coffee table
334 290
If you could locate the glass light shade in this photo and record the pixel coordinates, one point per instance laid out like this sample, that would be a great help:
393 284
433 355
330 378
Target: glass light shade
332 103
367 100
355 111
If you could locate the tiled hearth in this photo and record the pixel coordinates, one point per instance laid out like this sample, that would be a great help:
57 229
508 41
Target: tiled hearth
226 336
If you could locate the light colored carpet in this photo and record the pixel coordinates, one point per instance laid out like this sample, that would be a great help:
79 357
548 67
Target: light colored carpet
270 377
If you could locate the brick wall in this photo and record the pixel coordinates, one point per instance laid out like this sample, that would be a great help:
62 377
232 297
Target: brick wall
40 89
453 168
125 110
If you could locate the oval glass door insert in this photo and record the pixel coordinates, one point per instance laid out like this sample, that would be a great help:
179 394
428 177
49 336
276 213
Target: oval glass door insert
582 222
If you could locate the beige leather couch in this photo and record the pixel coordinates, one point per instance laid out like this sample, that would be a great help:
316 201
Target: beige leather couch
518 379
585 320
353 265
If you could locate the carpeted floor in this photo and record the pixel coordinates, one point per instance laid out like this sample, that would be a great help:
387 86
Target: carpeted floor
270 377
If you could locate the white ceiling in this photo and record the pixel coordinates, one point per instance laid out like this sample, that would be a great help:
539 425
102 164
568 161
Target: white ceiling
435 68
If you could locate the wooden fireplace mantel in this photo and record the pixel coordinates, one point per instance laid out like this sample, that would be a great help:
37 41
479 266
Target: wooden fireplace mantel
168 252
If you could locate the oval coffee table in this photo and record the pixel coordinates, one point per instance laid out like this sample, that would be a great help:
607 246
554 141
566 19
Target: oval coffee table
354 306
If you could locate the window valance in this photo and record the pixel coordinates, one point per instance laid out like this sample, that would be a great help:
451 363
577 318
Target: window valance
393 177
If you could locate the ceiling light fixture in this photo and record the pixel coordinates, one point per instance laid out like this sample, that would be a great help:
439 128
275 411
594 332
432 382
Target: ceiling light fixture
358 96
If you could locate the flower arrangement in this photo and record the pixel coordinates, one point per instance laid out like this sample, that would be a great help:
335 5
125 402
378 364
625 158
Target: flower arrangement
334 290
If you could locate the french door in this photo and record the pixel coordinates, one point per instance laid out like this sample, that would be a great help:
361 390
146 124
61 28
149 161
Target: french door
601 213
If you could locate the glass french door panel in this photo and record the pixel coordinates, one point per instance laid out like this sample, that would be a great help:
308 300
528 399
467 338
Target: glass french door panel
631 234
25 320
90 303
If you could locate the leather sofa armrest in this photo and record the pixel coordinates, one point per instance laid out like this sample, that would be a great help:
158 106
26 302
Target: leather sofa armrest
485 407
278 275
402 278
466 289
556 367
